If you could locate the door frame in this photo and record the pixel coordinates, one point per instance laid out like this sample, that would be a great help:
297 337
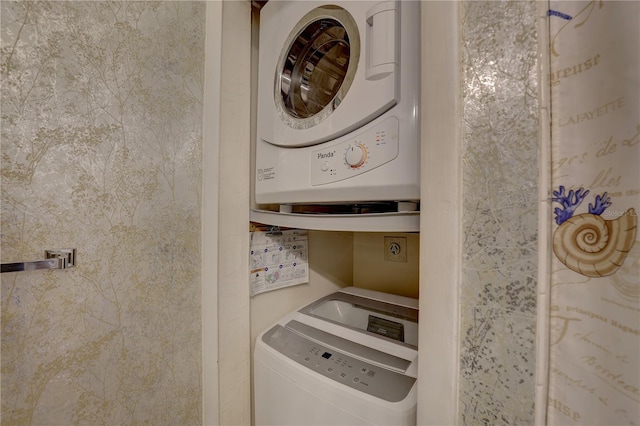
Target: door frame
441 216
209 213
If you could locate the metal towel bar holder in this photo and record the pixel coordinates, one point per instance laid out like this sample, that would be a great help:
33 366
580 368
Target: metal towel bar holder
54 259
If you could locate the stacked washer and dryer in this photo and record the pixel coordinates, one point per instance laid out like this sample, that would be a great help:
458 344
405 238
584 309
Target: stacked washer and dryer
338 124
338 102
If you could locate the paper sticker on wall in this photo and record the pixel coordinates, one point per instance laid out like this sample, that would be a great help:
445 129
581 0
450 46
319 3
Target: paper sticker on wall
587 243
277 260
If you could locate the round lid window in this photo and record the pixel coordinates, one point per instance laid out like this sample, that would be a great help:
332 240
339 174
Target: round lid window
316 69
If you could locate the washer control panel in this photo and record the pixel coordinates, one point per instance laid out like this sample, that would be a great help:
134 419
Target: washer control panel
356 155
357 374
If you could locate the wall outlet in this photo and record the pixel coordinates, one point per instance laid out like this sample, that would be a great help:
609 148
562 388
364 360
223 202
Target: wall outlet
395 249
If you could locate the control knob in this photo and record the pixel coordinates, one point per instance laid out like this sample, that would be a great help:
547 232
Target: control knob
356 155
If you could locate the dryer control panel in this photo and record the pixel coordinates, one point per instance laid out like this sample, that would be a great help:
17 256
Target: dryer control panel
340 367
355 155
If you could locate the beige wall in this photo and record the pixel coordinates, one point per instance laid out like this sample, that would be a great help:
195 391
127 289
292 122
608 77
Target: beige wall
101 151
233 241
440 219
373 272
210 204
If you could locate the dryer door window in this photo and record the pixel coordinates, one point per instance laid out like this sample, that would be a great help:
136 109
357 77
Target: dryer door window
317 68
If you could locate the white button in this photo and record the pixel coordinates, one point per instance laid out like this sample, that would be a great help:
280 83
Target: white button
325 166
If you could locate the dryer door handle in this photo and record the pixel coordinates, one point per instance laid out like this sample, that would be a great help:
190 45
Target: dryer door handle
382 40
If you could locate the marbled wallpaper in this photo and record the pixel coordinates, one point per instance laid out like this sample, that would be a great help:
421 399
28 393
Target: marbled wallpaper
101 151
500 173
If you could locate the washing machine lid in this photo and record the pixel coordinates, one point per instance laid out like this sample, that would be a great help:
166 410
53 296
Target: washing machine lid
335 73
382 319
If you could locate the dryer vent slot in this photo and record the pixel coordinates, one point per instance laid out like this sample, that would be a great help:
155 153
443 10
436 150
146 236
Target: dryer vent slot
359 208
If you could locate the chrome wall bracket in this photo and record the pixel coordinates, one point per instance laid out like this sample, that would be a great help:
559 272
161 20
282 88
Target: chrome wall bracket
54 259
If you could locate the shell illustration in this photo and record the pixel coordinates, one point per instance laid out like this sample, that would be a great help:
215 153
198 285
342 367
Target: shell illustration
593 246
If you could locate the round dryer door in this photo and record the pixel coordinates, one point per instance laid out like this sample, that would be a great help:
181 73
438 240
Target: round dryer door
317 68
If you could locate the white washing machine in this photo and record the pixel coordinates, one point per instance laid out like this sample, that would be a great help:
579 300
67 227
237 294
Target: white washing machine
347 359
338 100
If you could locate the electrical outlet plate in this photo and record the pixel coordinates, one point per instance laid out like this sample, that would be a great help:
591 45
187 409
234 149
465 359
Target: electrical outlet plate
395 249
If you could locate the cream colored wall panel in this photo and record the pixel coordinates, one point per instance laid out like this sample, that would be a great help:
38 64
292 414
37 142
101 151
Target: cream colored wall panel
373 272
233 243
210 193
440 221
